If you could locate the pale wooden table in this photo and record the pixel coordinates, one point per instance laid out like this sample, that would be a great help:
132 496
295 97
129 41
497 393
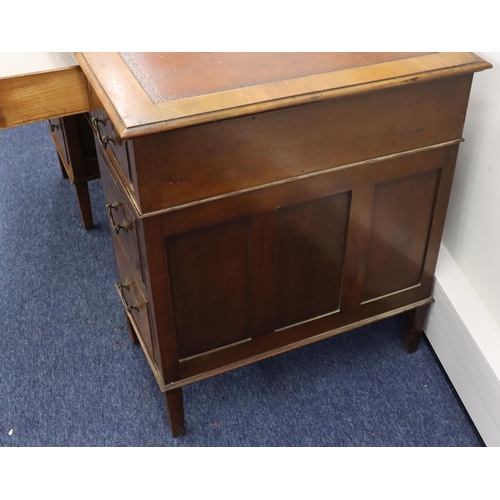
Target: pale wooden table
40 86
37 86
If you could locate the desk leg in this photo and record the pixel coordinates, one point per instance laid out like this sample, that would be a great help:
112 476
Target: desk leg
131 332
413 328
175 412
63 168
82 193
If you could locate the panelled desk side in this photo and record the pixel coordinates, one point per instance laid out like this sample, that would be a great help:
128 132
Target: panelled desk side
256 219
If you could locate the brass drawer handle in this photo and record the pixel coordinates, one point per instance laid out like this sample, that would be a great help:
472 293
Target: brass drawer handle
126 226
126 286
103 139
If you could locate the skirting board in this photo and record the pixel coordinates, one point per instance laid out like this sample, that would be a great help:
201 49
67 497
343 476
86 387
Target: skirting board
467 342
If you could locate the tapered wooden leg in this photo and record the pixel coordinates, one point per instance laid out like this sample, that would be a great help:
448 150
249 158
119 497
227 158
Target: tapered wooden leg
82 192
413 328
63 169
131 332
175 412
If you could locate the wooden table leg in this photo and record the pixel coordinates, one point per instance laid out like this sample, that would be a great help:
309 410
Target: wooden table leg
63 168
131 331
82 192
175 412
413 328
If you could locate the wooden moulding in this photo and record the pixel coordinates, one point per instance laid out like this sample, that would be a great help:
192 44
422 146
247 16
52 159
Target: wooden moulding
133 113
192 375
42 96
189 367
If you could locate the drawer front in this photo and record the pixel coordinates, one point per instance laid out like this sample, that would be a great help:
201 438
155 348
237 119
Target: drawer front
133 299
110 142
123 223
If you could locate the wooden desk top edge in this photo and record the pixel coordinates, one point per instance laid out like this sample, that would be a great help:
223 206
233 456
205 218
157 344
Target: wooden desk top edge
34 97
134 114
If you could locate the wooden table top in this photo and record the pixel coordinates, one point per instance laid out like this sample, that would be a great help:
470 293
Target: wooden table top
145 93
151 92
26 63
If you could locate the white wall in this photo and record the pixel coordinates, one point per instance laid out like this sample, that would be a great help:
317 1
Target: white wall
472 231
463 324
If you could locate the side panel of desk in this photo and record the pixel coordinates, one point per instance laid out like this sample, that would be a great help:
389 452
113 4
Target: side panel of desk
232 272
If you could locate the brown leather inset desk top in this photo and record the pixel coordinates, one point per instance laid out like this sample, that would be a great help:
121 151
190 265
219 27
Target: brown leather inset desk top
178 75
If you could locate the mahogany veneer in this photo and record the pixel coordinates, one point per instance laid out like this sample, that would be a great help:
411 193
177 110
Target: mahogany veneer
260 202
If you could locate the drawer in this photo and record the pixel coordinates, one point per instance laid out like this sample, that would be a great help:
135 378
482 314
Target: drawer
132 297
123 223
114 147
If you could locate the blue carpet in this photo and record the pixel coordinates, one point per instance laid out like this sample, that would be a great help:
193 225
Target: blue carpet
69 375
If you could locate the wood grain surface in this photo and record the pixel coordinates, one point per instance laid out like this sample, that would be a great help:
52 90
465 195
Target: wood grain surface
134 112
41 96
278 206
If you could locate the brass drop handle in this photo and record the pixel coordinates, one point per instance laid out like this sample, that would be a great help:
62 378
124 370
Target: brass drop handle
126 286
103 139
126 226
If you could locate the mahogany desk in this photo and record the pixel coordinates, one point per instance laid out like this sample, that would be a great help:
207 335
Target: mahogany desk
261 202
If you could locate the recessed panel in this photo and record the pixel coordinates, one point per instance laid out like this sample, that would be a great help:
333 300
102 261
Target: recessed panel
401 219
310 251
209 275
